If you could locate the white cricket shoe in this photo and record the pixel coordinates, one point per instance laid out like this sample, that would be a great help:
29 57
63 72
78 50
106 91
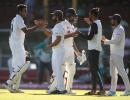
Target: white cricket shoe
17 91
126 93
51 90
111 93
8 87
71 92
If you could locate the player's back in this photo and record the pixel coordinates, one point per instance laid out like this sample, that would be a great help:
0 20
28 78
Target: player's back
16 34
58 30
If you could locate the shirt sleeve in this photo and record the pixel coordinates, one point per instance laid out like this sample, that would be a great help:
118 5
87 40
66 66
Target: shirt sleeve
116 37
93 31
59 31
20 23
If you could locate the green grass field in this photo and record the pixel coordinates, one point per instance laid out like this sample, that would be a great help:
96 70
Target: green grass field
42 95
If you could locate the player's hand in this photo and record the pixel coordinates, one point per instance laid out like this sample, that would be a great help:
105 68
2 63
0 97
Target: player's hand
48 47
102 42
103 38
87 20
75 34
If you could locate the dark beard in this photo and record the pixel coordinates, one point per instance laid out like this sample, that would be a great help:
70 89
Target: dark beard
113 26
53 22
71 21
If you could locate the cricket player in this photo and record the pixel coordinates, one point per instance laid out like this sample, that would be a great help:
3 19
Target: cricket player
69 60
58 51
20 60
117 44
68 68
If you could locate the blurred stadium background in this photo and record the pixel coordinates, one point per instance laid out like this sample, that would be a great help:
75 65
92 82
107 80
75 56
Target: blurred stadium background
37 76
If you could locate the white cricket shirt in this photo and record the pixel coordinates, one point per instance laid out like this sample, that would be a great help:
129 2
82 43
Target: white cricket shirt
58 30
17 35
117 42
69 28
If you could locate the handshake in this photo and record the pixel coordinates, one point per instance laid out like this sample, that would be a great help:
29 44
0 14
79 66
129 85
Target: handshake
75 34
104 39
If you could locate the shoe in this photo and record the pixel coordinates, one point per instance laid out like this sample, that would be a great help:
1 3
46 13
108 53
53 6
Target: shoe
17 91
71 92
58 92
93 92
111 93
101 92
51 90
126 93
64 92
8 87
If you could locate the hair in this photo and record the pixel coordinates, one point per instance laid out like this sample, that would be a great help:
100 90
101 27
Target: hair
20 7
95 11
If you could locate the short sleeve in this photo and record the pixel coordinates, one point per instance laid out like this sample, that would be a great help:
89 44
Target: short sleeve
59 31
20 23
119 32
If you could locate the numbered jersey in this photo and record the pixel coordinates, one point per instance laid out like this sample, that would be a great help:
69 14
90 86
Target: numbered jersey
16 34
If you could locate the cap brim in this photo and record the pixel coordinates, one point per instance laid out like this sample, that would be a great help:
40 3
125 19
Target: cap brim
52 13
74 15
110 17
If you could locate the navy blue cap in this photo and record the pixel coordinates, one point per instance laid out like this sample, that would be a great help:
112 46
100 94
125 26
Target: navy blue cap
71 12
57 13
116 17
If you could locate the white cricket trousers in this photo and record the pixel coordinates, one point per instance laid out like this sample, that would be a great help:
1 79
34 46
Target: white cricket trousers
18 58
117 67
57 61
18 54
70 67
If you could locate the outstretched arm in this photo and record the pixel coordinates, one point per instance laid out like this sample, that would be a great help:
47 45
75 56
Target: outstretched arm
43 25
47 32
93 31
74 34
29 30
116 38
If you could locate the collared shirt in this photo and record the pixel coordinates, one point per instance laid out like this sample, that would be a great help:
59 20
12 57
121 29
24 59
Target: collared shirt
117 42
58 30
17 35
